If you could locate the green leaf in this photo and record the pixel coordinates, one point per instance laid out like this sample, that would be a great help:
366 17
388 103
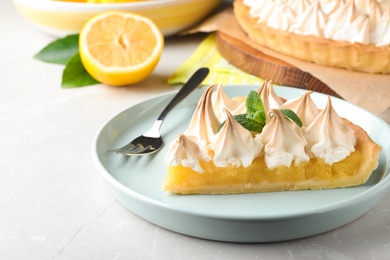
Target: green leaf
254 102
249 123
59 51
75 75
292 116
259 116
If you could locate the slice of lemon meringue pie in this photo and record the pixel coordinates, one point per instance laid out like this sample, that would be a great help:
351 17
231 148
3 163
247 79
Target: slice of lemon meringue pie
267 144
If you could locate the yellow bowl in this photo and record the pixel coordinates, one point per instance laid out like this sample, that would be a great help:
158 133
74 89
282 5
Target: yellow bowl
61 18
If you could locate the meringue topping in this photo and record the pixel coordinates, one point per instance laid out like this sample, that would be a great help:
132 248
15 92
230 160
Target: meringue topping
187 151
234 144
311 22
329 137
281 17
357 31
283 141
304 107
222 101
342 17
362 21
381 33
204 123
268 96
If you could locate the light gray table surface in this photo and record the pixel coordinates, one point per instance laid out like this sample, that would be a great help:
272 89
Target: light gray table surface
54 205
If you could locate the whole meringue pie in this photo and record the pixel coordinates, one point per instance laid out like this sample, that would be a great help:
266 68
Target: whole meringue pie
349 34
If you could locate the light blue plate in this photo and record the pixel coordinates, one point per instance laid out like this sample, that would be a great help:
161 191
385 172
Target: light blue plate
264 217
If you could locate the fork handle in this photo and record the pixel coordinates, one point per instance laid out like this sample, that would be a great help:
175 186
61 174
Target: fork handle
187 88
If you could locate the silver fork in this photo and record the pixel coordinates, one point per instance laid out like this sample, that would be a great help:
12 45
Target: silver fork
151 141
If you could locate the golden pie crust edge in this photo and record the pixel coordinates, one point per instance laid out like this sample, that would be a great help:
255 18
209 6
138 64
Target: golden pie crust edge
339 54
370 152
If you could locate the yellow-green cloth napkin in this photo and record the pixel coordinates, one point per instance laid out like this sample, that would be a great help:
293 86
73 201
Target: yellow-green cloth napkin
221 71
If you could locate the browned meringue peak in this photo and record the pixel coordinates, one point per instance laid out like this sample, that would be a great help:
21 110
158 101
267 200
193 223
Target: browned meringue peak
329 7
186 151
234 145
382 30
221 101
267 93
304 107
204 123
283 141
311 22
370 7
347 24
268 96
329 137
241 109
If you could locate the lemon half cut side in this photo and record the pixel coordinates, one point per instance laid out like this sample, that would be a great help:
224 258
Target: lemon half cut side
120 48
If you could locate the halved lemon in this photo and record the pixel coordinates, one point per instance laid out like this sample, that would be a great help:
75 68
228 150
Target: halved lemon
120 48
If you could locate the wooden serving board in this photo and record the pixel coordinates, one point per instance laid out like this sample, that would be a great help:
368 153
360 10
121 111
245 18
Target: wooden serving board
259 64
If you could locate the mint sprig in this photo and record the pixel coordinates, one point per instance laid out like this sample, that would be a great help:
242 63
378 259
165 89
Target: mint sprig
65 51
256 118
250 122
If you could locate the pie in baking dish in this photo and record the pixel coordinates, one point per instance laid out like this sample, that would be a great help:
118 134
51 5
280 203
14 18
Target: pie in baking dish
319 150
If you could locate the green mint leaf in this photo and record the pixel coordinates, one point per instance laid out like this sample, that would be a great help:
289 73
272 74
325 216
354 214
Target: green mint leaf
75 75
249 123
291 115
59 51
254 102
259 117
